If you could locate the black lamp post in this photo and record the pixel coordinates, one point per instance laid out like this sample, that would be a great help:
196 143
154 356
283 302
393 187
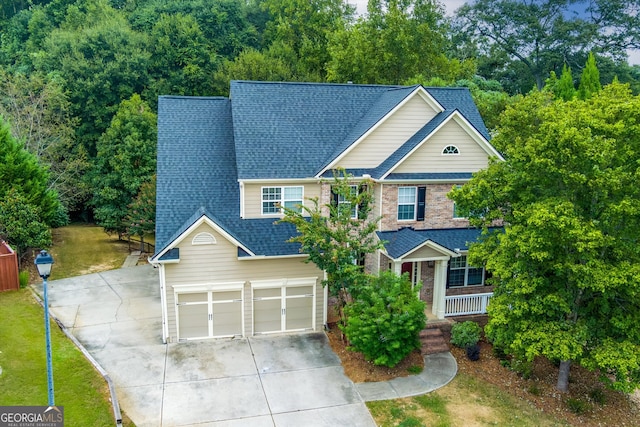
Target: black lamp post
43 262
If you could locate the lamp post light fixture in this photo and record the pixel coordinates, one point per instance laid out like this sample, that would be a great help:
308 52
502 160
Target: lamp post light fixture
43 262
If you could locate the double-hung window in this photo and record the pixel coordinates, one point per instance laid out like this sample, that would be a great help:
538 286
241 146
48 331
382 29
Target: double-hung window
273 198
411 203
407 203
462 274
343 203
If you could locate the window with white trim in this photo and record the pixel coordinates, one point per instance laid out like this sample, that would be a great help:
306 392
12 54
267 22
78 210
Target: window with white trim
450 149
342 200
407 197
462 274
275 197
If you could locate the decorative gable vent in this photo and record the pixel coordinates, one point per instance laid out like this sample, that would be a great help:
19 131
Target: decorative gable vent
450 149
204 239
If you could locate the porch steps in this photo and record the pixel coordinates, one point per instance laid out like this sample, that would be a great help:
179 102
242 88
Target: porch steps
433 340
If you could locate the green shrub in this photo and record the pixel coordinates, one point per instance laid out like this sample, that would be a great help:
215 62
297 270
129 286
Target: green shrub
598 396
523 367
577 406
385 319
534 389
23 278
414 369
465 334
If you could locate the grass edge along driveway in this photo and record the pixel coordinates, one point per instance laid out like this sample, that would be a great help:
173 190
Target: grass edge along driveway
23 380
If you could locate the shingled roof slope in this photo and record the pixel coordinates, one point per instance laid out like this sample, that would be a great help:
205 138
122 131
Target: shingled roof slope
196 163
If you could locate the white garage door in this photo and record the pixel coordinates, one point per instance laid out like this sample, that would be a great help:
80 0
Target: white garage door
208 314
283 305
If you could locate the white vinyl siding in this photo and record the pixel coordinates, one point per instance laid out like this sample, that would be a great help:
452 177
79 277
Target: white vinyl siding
429 157
390 135
219 263
252 197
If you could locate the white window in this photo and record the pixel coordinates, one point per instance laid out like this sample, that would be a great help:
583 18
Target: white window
343 201
275 197
407 203
462 274
450 149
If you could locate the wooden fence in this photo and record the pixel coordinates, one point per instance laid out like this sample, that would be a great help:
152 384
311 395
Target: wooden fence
9 280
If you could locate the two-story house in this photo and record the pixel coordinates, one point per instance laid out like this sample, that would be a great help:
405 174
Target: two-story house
225 165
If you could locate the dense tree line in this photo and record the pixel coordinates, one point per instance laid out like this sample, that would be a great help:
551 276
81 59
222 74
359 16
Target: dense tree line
79 79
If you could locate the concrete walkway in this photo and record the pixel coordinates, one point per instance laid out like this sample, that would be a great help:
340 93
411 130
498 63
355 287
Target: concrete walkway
287 380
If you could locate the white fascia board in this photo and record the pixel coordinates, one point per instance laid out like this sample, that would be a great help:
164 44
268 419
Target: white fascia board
263 257
428 181
477 136
433 245
419 90
278 180
196 224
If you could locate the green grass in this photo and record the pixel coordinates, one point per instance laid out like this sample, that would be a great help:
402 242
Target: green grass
82 249
23 381
464 401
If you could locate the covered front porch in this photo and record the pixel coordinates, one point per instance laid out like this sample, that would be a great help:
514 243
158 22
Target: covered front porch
438 269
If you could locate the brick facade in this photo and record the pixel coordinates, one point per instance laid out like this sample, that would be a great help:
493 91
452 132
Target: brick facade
438 209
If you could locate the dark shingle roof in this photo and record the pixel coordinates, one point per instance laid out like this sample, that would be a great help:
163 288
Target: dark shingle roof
196 164
266 131
399 242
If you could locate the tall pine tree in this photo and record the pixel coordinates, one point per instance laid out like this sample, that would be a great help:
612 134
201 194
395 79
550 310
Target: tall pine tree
590 79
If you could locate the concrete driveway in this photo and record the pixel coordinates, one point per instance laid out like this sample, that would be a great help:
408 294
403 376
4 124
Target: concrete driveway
290 380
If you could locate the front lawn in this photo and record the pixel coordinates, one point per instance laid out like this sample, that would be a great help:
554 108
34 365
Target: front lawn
83 249
465 401
23 376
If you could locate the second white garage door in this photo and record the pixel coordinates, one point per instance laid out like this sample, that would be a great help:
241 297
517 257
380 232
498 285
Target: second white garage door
284 305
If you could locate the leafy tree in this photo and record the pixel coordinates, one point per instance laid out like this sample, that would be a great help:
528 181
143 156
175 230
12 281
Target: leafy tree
142 212
181 60
21 223
303 28
251 65
20 171
590 79
102 61
126 159
334 238
531 38
385 319
567 266
564 88
39 113
396 41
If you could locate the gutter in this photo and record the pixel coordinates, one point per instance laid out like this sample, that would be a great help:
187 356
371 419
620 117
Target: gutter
112 389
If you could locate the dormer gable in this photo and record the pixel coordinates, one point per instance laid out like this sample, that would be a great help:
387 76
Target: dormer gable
382 137
449 143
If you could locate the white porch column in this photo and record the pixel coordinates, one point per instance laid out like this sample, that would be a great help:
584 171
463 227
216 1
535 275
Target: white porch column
397 267
439 288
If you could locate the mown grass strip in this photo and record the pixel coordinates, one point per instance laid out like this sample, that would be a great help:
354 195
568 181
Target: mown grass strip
23 381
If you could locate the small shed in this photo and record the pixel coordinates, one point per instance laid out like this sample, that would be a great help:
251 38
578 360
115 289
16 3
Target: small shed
9 280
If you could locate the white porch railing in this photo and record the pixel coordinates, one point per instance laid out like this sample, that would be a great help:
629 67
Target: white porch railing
460 305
